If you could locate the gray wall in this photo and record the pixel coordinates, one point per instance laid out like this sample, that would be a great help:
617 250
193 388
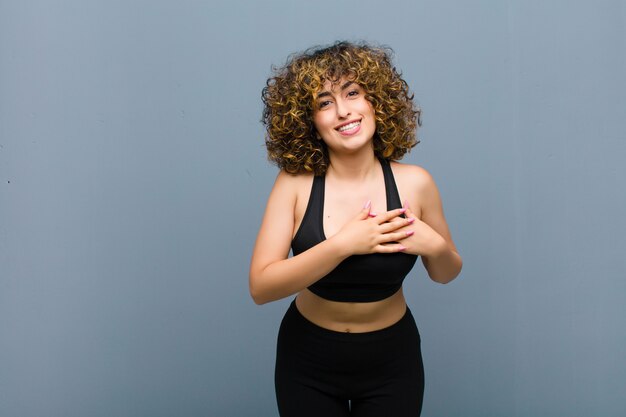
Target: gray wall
133 180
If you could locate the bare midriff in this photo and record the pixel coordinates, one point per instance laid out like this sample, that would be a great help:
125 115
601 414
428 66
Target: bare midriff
351 317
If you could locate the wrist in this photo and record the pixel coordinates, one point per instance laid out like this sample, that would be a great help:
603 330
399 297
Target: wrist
338 247
439 248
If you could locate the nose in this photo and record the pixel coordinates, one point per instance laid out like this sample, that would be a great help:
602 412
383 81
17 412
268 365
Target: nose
342 108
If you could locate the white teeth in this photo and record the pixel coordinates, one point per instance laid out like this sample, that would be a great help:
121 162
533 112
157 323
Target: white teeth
349 126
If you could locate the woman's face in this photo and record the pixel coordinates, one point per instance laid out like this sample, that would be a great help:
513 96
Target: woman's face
343 117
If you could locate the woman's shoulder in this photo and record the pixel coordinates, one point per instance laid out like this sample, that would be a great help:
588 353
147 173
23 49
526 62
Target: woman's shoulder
413 176
293 180
293 184
293 190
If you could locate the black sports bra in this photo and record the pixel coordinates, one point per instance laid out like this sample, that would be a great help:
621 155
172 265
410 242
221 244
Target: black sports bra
358 278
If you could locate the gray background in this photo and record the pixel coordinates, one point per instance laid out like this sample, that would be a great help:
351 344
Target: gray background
133 180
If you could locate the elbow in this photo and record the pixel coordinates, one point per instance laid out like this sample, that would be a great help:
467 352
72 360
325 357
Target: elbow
442 280
256 293
258 301
257 298
445 277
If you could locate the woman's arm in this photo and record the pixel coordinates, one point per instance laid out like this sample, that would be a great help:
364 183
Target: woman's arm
431 239
274 276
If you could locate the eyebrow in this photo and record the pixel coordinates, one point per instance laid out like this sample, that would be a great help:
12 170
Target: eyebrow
343 87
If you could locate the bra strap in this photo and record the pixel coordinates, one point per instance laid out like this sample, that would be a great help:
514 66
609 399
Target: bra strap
393 197
316 203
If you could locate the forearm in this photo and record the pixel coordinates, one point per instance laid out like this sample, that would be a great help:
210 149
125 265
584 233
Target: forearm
289 276
444 264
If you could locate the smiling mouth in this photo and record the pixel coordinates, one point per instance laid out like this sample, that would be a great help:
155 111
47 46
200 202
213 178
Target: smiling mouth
349 126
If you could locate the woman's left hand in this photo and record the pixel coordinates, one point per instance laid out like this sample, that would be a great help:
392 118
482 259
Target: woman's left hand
424 240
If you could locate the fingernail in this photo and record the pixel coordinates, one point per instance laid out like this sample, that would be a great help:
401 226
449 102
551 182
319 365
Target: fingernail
410 232
402 248
367 204
372 214
402 210
411 220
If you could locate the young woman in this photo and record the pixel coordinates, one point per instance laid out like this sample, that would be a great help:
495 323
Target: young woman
338 118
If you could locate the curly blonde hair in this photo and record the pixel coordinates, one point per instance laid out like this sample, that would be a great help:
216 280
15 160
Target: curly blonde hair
289 98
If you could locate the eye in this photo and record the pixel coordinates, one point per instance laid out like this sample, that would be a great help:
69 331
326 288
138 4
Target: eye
353 93
323 104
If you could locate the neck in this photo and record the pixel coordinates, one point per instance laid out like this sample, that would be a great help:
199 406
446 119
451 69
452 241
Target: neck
358 166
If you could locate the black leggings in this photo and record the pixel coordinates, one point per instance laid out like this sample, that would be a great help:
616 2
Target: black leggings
320 372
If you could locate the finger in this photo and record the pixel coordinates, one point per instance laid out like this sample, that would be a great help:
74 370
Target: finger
366 210
396 236
385 217
395 224
394 248
409 212
372 213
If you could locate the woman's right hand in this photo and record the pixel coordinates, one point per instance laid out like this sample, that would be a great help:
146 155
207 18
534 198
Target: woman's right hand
368 233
